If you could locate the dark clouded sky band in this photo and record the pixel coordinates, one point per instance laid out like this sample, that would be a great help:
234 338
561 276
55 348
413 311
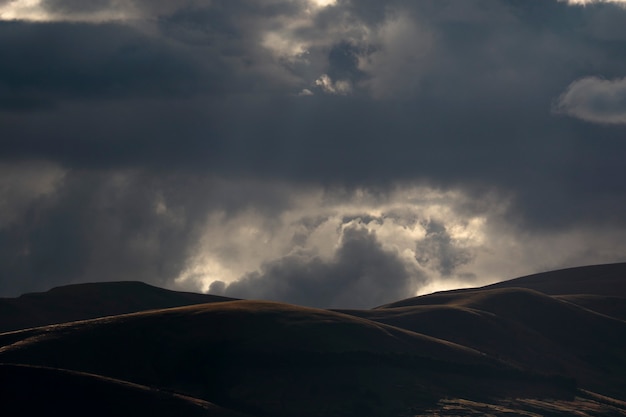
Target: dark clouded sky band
128 130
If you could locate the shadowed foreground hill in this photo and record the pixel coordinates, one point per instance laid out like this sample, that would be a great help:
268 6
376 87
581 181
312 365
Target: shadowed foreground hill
569 322
29 391
87 301
524 327
277 359
498 350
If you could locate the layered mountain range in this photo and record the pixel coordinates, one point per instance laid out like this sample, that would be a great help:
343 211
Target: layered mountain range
548 344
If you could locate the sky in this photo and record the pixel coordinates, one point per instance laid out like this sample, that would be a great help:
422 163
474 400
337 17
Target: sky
330 153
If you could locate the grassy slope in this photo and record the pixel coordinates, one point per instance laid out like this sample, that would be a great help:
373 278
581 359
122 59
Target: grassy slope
610 306
30 390
584 405
481 330
608 280
532 329
272 359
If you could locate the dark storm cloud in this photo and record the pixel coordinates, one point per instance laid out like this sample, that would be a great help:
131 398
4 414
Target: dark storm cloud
343 62
454 94
103 226
91 225
77 6
360 275
45 63
475 108
97 228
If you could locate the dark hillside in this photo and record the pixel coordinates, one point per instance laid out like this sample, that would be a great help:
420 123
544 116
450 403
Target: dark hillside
601 280
526 327
608 279
29 391
277 359
503 350
581 332
87 301
610 306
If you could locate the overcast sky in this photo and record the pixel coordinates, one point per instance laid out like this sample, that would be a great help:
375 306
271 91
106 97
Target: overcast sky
333 153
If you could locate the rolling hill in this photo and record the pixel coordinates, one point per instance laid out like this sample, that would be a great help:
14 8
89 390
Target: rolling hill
505 349
30 390
91 300
606 280
269 357
525 327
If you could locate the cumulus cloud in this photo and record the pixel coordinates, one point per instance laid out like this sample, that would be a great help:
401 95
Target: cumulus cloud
440 251
361 274
327 85
260 239
595 100
312 222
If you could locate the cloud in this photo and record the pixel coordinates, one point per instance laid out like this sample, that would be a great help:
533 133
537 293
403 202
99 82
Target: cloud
361 274
595 100
172 142
400 56
327 85
311 221
73 6
272 240
93 226
88 10
588 2
23 184
126 64
440 251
